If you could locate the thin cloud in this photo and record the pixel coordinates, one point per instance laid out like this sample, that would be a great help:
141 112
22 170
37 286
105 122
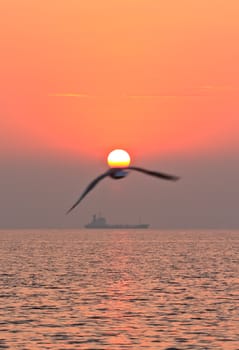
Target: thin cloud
69 94
199 91
218 88
77 95
161 96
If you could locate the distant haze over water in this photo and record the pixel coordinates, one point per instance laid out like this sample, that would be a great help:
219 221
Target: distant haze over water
37 192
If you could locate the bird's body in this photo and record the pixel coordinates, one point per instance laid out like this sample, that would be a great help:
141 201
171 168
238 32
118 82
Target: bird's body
119 173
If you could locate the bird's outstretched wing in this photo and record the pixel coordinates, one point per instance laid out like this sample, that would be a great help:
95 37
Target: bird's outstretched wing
155 173
88 189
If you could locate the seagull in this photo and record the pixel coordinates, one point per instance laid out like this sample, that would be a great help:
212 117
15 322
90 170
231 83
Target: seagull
119 173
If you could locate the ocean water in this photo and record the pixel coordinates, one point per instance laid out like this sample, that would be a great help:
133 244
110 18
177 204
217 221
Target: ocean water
86 289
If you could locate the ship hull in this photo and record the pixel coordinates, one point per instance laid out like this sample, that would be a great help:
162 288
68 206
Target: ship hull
101 223
113 227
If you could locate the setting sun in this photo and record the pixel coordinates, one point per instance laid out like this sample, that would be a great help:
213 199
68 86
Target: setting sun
118 158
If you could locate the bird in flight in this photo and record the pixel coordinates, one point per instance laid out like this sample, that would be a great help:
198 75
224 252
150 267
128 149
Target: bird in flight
119 169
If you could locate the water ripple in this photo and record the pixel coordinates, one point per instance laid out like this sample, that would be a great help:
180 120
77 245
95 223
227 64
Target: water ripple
119 290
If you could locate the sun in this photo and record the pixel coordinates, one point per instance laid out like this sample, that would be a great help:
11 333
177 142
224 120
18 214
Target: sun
118 158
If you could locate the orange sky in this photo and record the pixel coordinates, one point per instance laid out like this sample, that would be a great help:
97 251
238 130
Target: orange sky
151 76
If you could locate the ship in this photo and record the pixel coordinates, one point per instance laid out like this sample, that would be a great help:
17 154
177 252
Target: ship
101 223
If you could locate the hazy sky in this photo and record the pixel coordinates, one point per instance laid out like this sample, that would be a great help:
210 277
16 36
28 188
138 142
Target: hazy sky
158 78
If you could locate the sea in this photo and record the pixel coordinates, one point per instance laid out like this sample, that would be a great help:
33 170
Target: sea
119 289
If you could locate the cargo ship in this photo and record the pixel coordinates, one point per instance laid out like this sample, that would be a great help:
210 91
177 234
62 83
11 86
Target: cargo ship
100 222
